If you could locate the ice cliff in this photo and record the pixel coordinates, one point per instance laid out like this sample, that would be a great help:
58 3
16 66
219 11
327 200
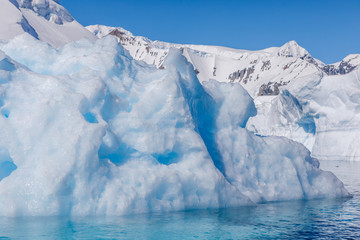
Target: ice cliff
320 112
87 130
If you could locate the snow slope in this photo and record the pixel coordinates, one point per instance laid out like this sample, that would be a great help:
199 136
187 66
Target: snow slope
270 68
263 72
43 19
88 130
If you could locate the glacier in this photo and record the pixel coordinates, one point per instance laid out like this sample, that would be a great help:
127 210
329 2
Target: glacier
88 130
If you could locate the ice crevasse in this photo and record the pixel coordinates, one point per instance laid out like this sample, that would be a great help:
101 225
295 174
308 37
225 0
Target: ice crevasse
87 130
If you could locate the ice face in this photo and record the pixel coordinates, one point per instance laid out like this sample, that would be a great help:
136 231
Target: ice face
283 115
322 112
88 130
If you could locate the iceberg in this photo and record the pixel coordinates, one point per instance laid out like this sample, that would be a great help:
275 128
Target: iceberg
88 130
320 112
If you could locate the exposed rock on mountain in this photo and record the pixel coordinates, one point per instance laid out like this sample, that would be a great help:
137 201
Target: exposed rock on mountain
263 72
347 65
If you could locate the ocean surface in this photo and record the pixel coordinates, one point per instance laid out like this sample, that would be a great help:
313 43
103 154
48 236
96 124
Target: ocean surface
318 219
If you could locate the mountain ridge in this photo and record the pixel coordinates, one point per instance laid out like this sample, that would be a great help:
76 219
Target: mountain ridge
260 72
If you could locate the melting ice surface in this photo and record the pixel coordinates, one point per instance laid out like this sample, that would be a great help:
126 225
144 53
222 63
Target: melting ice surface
314 219
87 130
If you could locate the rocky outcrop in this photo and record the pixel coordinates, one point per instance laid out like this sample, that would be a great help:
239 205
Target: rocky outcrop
271 88
343 68
243 76
123 37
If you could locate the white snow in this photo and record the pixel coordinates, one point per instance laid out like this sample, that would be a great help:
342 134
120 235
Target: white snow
44 19
87 130
277 64
10 19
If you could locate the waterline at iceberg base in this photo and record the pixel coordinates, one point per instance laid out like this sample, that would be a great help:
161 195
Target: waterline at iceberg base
87 130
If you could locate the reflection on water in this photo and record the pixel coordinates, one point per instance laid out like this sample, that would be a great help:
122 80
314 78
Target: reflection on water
327 219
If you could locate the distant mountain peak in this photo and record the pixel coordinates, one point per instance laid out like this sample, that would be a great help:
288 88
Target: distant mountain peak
347 65
292 49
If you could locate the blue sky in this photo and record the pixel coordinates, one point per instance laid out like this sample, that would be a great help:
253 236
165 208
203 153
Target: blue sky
328 29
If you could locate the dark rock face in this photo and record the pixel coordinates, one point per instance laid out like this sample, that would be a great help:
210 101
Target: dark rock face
309 59
344 68
244 75
266 65
238 75
124 39
271 88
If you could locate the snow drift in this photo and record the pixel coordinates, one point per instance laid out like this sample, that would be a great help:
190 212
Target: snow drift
88 130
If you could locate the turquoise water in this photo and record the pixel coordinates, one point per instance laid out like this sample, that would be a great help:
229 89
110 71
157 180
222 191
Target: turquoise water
320 219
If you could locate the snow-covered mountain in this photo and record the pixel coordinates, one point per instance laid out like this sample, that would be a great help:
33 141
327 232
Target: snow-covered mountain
348 64
43 19
263 72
